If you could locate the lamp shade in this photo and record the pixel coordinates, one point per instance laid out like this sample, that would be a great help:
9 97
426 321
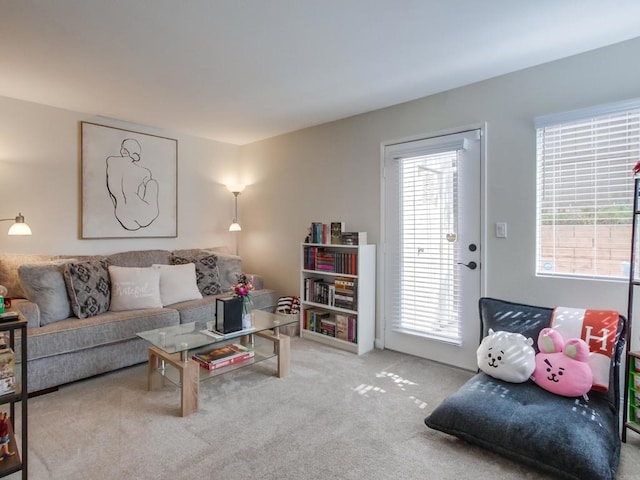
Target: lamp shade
235 227
19 229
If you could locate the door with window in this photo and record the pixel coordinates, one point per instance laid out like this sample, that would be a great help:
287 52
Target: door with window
432 252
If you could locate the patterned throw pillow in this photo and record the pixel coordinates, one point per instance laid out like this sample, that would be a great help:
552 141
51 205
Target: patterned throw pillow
89 287
207 274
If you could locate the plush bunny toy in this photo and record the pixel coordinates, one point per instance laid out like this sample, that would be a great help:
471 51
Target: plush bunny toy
562 368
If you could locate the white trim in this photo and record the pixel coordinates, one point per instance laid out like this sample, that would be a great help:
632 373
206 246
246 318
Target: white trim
380 341
587 112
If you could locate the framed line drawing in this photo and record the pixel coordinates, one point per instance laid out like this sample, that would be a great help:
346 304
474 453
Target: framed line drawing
129 183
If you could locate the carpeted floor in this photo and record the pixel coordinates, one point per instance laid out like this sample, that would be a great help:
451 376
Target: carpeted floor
336 416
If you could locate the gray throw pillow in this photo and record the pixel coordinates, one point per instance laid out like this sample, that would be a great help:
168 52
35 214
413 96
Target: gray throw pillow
207 274
44 285
89 287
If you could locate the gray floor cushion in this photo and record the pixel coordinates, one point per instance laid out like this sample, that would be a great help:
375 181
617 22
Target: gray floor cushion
573 438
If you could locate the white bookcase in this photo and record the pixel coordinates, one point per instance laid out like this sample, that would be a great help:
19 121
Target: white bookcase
360 262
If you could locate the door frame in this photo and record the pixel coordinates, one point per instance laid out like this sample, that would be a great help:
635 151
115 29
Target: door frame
381 324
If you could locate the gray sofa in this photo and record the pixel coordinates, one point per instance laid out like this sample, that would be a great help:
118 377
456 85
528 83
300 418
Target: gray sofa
63 350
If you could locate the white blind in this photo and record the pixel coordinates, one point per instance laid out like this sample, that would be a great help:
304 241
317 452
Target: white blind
585 192
427 300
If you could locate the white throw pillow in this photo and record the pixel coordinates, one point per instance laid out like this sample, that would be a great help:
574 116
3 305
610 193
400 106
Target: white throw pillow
178 283
133 288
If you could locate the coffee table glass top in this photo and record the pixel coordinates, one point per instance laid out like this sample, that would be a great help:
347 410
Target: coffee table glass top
187 336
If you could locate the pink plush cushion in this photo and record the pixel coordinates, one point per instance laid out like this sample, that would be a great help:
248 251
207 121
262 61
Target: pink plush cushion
562 367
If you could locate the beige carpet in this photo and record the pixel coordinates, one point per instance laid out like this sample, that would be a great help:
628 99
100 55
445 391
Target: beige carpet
336 416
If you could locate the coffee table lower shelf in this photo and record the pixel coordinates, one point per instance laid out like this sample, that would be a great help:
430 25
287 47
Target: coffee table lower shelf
188 374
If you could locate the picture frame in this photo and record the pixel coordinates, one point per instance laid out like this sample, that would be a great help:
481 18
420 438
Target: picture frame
129 183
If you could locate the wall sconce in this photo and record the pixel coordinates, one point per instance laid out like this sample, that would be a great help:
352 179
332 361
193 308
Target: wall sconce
236 190
19 227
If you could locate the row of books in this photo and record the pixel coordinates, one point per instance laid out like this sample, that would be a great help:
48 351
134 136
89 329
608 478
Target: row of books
334 233
318 258
345 293
341 293
223 356
339 326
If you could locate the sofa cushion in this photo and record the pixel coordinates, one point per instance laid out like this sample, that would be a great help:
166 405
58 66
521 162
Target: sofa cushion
9 263
139 258
229 265
207 276
74 334
133 288
178 283
44 285
568 437
88 286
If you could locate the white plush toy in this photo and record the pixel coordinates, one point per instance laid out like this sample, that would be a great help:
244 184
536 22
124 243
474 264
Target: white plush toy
507 356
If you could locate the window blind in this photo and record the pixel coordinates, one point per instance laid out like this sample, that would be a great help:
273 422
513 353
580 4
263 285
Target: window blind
585 190
428 302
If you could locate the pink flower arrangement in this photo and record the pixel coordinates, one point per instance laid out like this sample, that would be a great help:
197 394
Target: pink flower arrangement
241 288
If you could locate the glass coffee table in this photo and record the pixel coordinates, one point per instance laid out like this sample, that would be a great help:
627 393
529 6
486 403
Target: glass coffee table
172 347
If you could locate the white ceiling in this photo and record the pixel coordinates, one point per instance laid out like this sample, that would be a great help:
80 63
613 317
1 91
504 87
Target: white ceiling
242 70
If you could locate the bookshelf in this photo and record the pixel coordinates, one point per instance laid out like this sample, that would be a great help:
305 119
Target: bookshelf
14 463
337 295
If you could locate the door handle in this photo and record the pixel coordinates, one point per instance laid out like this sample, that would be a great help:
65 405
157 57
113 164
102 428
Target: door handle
470 265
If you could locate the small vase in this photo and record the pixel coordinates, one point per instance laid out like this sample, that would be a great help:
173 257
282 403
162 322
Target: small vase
246 313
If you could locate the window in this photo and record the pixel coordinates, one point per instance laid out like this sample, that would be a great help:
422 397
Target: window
585 190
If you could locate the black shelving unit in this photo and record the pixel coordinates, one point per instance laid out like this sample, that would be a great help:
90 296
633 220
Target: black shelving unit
17 462
632 359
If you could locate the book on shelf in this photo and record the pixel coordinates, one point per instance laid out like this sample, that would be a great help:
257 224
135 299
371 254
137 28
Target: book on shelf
346 327
354 238
328 327
323 260
336 232
345 293
342 325
313 318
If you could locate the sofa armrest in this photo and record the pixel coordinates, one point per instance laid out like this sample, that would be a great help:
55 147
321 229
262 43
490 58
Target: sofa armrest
29 310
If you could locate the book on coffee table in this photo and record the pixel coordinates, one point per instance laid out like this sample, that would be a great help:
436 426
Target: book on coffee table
222 356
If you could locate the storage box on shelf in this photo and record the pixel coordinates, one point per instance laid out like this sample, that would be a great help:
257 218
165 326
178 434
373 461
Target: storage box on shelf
633 393
337 291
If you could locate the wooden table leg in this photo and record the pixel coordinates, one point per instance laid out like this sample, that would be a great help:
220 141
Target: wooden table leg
281 344
190 387
154 379
284 355
189 377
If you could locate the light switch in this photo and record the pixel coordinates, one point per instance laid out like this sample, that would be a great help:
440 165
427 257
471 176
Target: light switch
501 230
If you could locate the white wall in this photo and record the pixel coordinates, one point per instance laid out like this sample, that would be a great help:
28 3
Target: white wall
331 172
40 177
326 173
